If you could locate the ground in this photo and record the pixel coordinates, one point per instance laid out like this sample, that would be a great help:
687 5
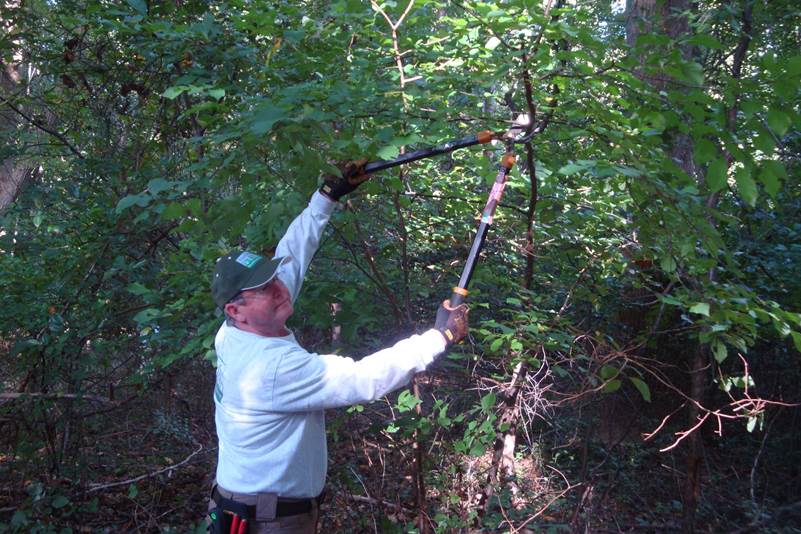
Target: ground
147 466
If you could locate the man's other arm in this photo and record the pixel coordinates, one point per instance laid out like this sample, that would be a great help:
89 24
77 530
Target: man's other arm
305 381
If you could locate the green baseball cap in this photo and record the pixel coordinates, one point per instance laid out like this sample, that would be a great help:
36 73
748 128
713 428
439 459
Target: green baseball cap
239 271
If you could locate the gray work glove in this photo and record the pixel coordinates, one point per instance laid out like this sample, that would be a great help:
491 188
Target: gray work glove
335 187
452 322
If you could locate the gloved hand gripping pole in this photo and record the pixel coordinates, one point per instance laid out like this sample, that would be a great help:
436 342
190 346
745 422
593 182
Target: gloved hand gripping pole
508 161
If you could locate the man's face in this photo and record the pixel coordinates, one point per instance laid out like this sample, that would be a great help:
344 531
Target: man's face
263 310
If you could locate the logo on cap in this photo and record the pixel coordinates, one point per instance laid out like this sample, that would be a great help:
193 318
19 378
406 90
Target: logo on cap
248 259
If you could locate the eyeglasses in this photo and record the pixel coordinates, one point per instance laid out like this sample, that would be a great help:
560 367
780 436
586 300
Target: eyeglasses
240 297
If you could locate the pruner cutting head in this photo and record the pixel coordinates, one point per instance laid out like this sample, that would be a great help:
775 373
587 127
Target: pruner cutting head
521 130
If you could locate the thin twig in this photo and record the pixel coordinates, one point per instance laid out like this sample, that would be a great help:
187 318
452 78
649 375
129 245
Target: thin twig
98 487
56 396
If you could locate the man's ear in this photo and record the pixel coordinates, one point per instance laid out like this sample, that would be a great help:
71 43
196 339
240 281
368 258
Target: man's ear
232 309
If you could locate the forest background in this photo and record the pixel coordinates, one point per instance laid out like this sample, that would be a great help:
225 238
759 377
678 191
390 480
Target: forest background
633 363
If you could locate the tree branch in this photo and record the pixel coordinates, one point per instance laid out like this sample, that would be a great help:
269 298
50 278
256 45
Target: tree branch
44 128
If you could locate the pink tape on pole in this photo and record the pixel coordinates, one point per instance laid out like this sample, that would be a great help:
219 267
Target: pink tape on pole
497 191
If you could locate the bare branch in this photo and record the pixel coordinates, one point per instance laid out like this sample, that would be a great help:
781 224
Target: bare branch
98 487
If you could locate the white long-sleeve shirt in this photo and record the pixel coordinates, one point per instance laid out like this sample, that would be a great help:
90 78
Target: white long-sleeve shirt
270 392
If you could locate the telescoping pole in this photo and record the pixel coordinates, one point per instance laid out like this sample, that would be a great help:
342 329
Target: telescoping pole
481 137
508 161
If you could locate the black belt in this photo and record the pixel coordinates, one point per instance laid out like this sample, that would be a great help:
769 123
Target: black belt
283 508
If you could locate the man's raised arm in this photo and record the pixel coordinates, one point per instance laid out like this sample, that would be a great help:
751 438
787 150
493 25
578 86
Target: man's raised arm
302 238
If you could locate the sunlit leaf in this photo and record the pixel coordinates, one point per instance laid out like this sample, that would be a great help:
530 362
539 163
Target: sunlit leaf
746 185
701 308
778 121
716 175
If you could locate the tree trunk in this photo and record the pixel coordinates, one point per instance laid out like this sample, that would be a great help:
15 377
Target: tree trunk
12 177
669 18
13 171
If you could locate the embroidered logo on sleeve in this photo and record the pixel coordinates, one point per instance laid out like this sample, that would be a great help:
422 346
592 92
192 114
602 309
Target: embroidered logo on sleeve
248 259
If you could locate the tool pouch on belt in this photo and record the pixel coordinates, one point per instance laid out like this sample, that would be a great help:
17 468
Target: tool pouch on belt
229 517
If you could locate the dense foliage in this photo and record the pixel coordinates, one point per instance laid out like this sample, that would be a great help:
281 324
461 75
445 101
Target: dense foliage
644 258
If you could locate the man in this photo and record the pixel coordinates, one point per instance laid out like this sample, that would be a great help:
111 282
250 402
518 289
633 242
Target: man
270 393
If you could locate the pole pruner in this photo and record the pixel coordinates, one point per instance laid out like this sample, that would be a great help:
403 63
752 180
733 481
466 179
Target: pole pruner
516 135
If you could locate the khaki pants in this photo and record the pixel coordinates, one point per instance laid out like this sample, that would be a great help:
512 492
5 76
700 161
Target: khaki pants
265 523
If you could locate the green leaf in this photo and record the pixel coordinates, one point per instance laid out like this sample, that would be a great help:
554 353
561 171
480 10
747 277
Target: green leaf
642 387
655 120
705 40
612 386
477 449
158 185
693 72
142 200
607 372
716 175
752 421
704 151
407 401
764 140
492 43
388 152
746 185
770 181
794 66
174 92
771 175
720 351
778 121
147 315
487 401
796 340
667 263
216 93
133 491
20 346
701 308
173 211
628 171
138 289
194 206
140 6
667 299
19 519
266 117
578 166
59 501
571 168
